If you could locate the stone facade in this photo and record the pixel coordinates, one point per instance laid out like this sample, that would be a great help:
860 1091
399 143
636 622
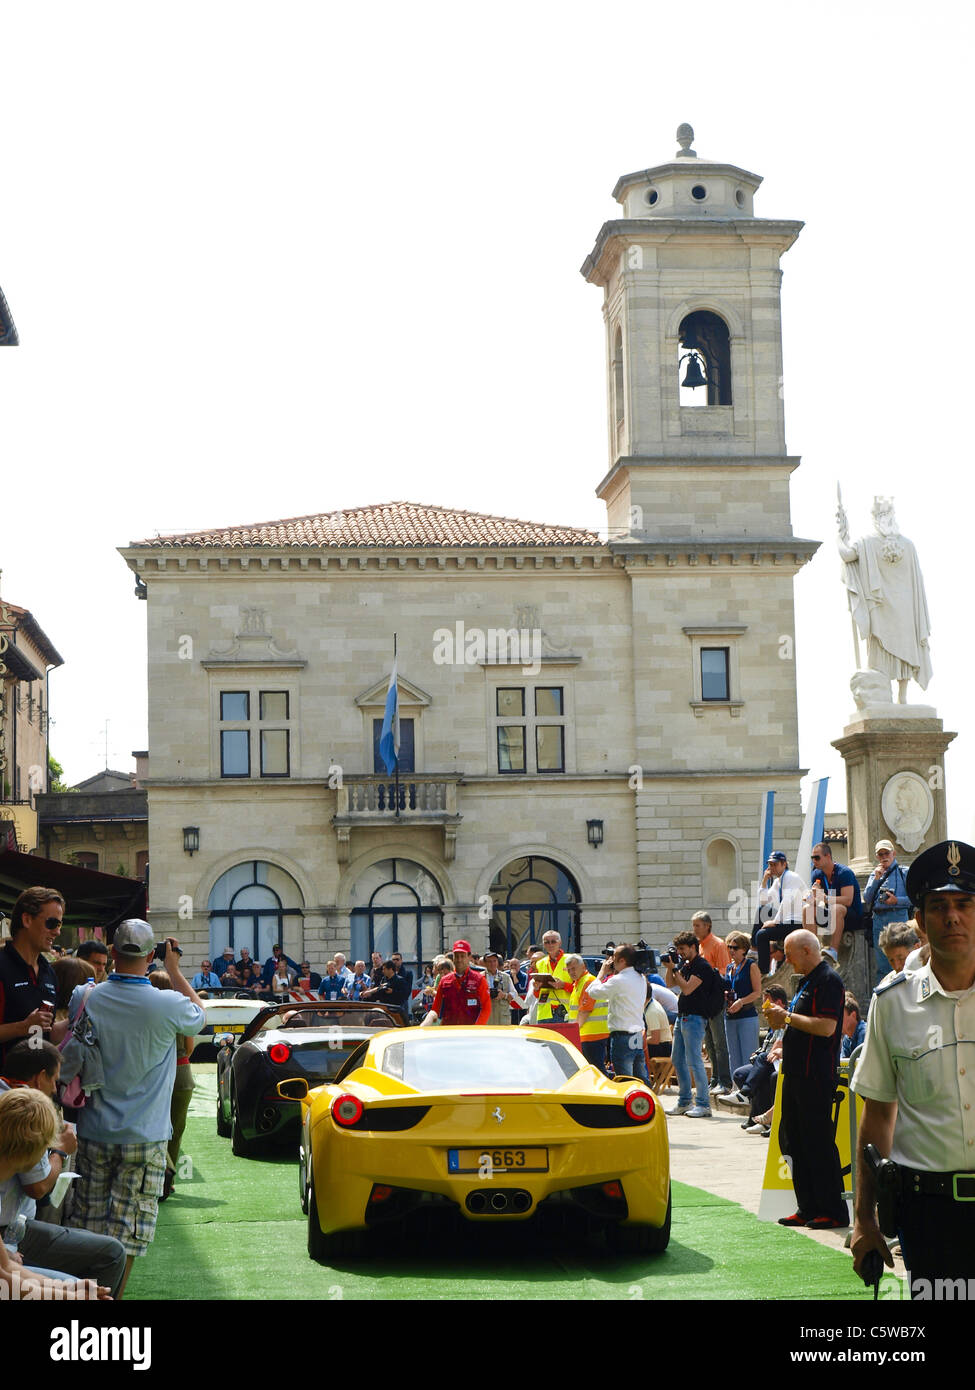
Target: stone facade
26 654
307 609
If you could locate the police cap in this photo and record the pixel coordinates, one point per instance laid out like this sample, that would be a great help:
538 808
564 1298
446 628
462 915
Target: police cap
945 868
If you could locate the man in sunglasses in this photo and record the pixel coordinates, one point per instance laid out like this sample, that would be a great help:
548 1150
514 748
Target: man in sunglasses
28 985
836 906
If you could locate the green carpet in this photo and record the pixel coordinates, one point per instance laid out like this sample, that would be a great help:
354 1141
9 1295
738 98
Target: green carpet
234 1229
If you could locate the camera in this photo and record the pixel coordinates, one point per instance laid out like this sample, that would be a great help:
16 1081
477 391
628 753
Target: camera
160 952
670 956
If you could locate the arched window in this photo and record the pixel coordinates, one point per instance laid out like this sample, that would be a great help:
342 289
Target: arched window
532 896
618 397
705 336
248 906
396 907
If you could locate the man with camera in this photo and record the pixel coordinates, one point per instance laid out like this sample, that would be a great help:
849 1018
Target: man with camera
124 1127
626 989
885 900
499 986
690 975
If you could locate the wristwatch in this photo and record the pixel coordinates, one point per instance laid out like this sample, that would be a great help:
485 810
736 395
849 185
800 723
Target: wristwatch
788 1020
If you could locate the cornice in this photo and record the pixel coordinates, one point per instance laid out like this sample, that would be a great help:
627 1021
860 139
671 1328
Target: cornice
663 229
603 562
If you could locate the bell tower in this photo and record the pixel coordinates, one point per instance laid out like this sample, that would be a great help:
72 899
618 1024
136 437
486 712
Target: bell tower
691 302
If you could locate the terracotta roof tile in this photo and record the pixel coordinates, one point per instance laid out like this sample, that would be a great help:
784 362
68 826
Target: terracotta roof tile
384 524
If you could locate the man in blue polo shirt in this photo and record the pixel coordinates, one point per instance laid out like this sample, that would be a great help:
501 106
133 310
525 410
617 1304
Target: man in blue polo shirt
837 903
124 1127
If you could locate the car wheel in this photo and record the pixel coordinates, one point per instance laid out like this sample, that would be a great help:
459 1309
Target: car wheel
223 1125
243 1148
641 1240
302 1178
338 1245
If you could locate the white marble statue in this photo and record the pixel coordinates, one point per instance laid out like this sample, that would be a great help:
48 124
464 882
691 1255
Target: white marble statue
886 595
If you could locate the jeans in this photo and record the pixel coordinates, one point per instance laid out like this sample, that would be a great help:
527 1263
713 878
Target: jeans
742 1037
626 1052
717 1046
596 1052
81 1254
688 1058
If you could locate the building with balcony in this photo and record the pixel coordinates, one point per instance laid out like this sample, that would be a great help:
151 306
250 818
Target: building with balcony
587 724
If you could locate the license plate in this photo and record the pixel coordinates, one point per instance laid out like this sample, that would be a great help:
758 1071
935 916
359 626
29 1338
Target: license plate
229 1027
488 1161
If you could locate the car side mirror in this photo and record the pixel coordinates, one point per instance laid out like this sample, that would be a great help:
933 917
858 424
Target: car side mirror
223 1039
294 1089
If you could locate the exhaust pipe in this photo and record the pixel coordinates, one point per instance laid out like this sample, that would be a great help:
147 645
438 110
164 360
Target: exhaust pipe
268 1118
521 1201
499 1202
477 1202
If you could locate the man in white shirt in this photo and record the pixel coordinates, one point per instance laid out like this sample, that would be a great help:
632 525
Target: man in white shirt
626 990
781 890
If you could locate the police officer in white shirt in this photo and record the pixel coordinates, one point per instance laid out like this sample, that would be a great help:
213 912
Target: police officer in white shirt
917 1077
781 894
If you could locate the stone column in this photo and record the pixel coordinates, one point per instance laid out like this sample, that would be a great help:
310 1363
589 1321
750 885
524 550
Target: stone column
895 781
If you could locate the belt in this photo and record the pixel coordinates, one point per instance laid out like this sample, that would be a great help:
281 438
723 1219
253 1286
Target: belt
918 1183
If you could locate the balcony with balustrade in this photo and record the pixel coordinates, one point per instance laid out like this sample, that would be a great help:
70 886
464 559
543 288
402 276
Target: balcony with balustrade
420 799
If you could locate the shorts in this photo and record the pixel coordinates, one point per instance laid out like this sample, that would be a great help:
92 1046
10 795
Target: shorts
118 1191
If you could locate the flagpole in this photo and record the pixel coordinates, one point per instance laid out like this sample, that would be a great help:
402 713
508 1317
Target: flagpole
396 769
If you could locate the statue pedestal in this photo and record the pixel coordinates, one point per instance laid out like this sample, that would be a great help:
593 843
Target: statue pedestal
895 781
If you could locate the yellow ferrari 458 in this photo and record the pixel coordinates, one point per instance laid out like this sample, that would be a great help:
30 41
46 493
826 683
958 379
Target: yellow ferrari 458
493 1123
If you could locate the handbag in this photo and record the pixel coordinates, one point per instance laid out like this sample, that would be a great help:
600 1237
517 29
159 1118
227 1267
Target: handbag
82 1071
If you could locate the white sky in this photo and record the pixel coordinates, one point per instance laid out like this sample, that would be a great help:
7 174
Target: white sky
271 259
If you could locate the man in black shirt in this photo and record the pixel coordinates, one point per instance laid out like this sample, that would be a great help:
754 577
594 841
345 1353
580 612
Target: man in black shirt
28 985
813 1026
691 980
391 990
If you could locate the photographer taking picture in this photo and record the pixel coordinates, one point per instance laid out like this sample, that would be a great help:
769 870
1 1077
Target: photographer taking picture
699 988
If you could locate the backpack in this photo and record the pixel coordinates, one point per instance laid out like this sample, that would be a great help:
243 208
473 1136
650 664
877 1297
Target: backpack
712 987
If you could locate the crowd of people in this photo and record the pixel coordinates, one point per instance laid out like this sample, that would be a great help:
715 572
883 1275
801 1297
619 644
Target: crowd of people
95 1046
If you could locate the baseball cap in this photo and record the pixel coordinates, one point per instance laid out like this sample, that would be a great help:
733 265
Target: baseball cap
461 946
777 857
883 844
134 938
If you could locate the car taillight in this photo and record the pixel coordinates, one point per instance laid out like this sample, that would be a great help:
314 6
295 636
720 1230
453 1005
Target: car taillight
639 1106
279 1052
347 1110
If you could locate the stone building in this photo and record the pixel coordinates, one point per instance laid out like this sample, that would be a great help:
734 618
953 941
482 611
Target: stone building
102 823
26 656
587 725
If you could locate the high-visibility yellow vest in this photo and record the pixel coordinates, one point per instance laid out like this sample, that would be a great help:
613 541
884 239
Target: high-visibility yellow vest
545 967
592 1025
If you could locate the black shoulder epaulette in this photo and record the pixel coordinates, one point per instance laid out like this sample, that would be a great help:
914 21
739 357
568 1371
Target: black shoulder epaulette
897 980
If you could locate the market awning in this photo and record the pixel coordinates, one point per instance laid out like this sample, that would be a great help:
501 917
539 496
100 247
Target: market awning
93 899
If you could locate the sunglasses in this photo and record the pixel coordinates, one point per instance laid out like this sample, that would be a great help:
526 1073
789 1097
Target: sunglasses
53 923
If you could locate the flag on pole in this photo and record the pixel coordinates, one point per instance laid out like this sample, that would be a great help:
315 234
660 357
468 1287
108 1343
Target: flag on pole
389 738
765 829
812 828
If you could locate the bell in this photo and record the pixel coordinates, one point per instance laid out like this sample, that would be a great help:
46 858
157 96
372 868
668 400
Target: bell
694 376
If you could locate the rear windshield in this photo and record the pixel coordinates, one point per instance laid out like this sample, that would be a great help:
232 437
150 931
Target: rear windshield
331 1018
447 1063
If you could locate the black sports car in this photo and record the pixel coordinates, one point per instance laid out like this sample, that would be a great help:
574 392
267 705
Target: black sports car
284 1041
